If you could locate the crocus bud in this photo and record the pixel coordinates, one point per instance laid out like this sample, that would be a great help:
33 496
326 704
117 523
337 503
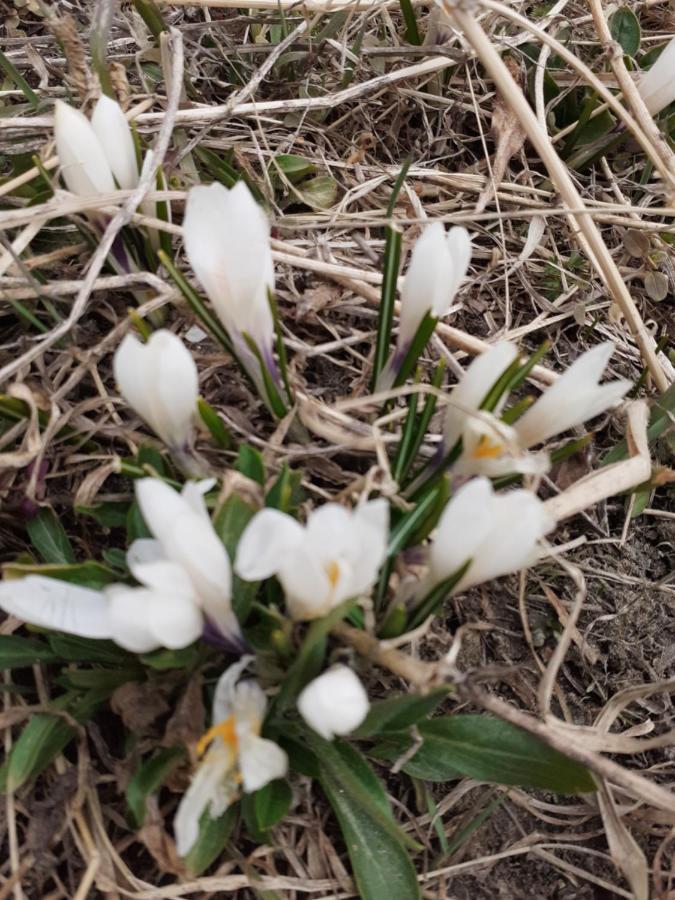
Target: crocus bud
498 532
159 381
437 266
573 399
84 165
335 703
657 86
94 155
335 557
227 242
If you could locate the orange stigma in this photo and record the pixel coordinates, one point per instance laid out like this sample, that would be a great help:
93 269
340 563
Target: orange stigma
225 730
333 572
485 449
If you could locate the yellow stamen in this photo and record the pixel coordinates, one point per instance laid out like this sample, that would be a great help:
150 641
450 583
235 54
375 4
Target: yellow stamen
485 449
333 572
225 730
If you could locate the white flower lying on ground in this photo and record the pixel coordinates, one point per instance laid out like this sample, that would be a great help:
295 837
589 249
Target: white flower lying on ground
498 532
159 381
185 575
237 757
334 557
493 448
657 86
95 154
335 703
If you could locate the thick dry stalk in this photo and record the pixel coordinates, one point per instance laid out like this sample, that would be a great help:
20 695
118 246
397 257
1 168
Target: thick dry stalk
424 675
583 227
629 88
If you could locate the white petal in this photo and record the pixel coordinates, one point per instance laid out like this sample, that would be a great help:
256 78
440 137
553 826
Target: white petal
142 551
58 605
459 248
174 619
193 494
428 258
114 136
82 161
226 238
309 593
657 86
335 703
519 522
573 399
249 705
265 544
206 784
177 386
224 695
195 546
129 627
463 526
260 761
371 525
136 382
164 576
474 386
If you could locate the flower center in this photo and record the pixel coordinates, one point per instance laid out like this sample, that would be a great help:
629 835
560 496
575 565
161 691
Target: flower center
487 449
333 572
225 730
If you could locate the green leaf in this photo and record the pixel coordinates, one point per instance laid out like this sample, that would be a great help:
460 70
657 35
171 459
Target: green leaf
14 75
381 865
309 659
488 749
398 713
660 420
434 600
412 34
78 649
111 514
213 835
229 523
625 29
148 778
424 766
163 659
250 463
49 538
319 192
271 803
286 494
40 741
215 424
90 574
390 268
293 167
16 652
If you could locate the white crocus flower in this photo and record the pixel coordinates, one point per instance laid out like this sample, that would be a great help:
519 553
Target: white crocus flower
227 242
159 381
163 613
573 399
237 758
95 154
498 532
438 264
334 557
657 86
335 703
183 534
